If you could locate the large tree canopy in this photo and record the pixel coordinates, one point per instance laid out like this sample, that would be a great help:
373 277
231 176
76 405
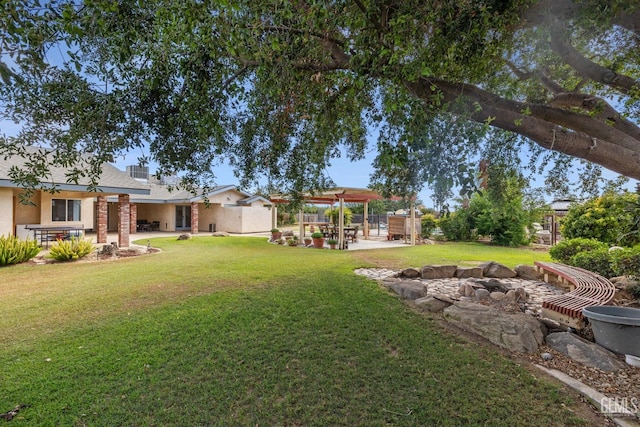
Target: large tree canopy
280 88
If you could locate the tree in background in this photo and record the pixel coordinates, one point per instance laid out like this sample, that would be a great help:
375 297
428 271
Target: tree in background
279 89
607 218
497 212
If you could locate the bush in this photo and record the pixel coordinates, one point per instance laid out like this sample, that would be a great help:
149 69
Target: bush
606 218
566 249
627 262
428 224
14 250
597 260
70 250
456 227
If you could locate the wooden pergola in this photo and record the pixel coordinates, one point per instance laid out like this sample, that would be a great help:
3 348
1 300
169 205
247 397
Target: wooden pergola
338 195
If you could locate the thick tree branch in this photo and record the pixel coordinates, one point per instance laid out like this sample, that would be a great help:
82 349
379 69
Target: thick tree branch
561 44
340 56
630 22
551 128
601 109
596 127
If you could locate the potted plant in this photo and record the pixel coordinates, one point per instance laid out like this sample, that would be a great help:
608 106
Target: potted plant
318 240
307 240
276 234
332 243
293 241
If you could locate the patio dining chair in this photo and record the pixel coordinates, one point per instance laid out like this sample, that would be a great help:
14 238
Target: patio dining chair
352 235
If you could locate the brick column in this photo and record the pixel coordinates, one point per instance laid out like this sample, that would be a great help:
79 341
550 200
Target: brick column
123 220
102 220
133 218
194 218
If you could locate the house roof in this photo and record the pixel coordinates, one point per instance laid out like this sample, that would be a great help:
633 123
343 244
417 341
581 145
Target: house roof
160 193
561 205
253 199
112 180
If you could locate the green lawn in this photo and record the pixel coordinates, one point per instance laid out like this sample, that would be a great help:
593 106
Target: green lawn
237 332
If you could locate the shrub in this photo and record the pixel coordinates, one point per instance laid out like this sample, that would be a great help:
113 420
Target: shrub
598 260
428 224
627 262
70 250
317 235
566 249
606 218
457 226
14 250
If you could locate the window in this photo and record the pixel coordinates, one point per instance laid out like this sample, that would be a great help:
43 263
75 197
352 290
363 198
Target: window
65 210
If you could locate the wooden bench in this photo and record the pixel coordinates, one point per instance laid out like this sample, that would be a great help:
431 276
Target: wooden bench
585 289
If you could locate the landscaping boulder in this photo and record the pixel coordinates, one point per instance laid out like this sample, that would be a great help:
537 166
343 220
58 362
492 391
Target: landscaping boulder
517 295
482 295
466 290
585 352
220 234
517 332
184 236
496 270
430 272
528 272
433 303
464 273
408 289
498 296
492 285
410 273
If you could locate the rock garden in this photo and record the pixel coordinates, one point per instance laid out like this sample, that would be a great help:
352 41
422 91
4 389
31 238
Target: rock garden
504 306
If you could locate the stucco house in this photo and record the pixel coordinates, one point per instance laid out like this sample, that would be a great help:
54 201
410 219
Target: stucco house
70 207
223 208
124 204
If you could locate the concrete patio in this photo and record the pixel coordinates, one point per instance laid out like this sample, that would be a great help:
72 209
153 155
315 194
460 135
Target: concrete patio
374 241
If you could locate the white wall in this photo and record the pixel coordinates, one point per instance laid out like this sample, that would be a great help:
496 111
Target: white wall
234 219
256 219
6 212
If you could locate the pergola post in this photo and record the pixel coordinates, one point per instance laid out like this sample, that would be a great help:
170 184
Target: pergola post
412 222
274 216
366 220
301 222
341 239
